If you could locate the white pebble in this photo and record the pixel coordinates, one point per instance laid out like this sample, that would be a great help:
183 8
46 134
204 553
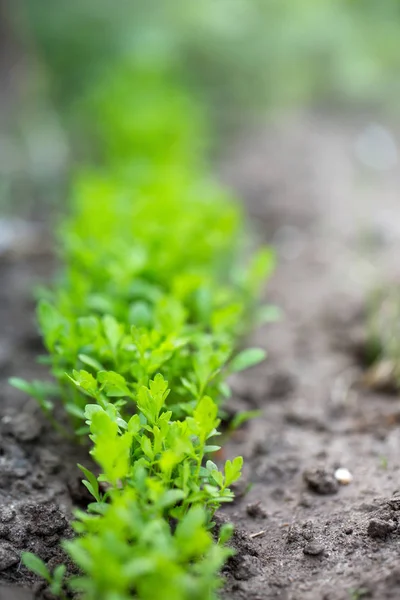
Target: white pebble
343 476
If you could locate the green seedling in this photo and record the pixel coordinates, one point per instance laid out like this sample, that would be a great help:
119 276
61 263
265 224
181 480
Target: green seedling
38 566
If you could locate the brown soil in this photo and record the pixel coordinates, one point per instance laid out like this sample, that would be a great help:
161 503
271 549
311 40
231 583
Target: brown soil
336 228
300 535
39 479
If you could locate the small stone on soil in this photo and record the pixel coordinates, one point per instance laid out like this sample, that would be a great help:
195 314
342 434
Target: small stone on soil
314 549
343 476
321 481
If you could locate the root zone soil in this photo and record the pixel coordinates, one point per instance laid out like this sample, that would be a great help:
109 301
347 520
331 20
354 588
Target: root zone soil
299 533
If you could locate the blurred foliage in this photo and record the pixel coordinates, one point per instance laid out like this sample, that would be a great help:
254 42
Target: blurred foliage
236 54
240 58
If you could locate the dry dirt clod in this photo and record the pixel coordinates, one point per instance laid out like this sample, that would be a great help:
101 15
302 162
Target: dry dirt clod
394 503
321 481
379 529
8 556
7 514
245 568
256 511
26 427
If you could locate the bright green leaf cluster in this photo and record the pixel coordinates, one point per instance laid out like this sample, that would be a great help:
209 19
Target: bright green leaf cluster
141 332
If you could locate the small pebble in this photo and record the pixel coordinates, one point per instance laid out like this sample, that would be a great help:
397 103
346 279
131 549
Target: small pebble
343 476
313 549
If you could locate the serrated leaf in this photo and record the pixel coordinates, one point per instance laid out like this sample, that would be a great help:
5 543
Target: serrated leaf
113 384
85 381
233 470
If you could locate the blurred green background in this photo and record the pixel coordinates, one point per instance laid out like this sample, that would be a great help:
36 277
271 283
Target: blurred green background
242 60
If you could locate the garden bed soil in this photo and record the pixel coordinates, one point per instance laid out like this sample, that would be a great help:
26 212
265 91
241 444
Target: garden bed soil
300 535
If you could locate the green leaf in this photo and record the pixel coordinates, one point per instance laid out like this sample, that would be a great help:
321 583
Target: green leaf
171 497
113 384
269 314
37 389
218 477
85 381
140 314
75 410
22 385
247 358
242 417
92 484
260 268
225 533
113 331
211 466
36 565
211 448
233 470
51 323
225 390
57 583
205 415
91 362
146 447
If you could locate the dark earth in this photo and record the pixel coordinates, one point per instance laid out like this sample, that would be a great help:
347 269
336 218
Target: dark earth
300 535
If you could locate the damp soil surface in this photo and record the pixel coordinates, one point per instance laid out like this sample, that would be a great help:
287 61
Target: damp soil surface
300 534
